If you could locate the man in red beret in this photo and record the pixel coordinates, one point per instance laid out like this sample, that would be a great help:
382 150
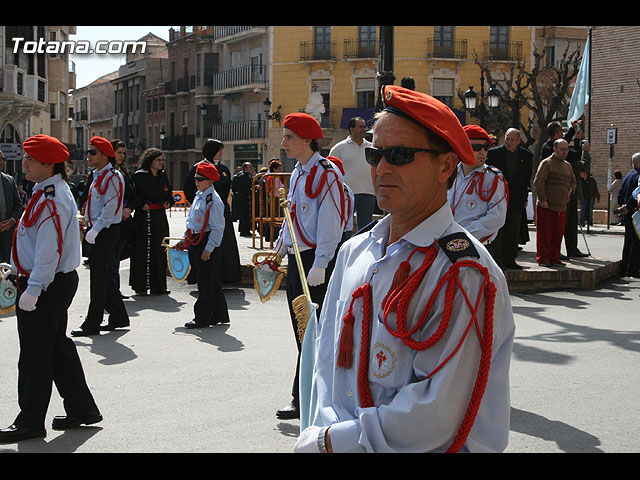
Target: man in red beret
416 333
102 215
317 204
479 195
45 255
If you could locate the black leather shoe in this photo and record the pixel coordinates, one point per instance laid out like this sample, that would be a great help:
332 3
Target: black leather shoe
289 412
513 266
74 421
110 328
578 254
80 332
15 434
194 324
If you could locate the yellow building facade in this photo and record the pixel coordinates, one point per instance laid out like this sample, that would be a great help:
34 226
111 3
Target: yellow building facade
330 71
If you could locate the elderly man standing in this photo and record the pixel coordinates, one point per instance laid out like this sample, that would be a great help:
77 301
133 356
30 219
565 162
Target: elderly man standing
11 208
416 333
554 184
356 171
515 163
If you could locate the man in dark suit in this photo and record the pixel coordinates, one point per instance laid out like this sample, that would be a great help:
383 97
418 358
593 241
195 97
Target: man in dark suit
515 162
630 266
11 208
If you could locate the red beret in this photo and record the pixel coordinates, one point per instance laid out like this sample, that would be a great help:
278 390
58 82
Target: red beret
337 162
103 145
304 125
432 114
208 170
476 132
46 149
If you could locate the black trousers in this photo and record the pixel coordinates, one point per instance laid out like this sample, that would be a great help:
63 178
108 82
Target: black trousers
211 305
571 227
104 293
294 290
48 356
630 266
505 245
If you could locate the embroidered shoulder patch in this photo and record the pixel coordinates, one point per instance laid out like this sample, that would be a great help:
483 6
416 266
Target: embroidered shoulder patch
50 191
209 198
325 163
458 245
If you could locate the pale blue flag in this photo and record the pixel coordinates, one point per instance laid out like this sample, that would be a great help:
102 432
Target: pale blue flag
307 383
581 92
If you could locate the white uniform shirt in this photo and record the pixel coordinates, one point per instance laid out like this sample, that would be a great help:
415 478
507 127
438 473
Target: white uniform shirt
319 219
37 246
357 172
215 224
105 209
411 414
481 217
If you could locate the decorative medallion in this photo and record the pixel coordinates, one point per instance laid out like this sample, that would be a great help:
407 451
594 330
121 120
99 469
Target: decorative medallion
383 361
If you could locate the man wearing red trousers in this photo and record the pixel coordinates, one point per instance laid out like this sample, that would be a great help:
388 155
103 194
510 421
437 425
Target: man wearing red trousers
554 183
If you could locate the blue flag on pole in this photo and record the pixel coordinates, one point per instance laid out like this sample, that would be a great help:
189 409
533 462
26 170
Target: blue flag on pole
581 93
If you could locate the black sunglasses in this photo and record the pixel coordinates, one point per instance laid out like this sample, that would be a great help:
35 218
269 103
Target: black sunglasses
395 155
92 151
200 179
479 146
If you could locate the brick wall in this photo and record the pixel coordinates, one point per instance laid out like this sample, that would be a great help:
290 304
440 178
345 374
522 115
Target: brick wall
615 99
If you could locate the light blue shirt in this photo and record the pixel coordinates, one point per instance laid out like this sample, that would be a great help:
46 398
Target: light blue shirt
37 246
481 218
319 218
105 209
215 223
412 414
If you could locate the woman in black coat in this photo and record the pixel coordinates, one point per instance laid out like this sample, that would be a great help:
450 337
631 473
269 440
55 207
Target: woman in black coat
153 195
229 256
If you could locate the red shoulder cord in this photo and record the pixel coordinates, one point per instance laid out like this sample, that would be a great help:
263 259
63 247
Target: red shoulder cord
102 189
476 182
29 219
190 238
397 299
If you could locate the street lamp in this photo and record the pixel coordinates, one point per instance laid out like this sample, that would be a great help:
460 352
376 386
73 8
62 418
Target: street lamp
493 97
470 99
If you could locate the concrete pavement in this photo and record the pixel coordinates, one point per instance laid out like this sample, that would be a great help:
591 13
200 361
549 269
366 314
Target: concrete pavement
163 388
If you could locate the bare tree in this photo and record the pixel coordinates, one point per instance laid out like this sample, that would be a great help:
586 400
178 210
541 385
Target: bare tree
544 90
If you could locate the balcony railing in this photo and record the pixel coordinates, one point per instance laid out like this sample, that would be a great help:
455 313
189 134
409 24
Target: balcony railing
502 51
227 31
356 48
239 130
239 77
317 51
446 49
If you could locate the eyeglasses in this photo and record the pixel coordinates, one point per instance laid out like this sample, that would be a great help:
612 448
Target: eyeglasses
395 155
200 179
92 151
479 146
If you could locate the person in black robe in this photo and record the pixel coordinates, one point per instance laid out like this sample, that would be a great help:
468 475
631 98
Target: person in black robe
229 256
154 194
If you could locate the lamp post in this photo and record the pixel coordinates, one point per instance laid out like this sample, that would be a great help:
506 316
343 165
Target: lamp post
476 104
385 74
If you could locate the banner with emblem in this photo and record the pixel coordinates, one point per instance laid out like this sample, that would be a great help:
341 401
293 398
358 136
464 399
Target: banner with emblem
177 260
8 289
266 280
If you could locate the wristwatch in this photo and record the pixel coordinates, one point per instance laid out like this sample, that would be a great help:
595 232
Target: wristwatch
322 447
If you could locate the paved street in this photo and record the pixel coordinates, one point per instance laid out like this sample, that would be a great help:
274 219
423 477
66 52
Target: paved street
163 388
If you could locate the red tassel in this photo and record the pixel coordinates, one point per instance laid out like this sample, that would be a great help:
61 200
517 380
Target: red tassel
345 351
399 278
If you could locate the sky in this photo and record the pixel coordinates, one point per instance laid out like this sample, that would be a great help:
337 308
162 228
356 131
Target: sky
90 67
